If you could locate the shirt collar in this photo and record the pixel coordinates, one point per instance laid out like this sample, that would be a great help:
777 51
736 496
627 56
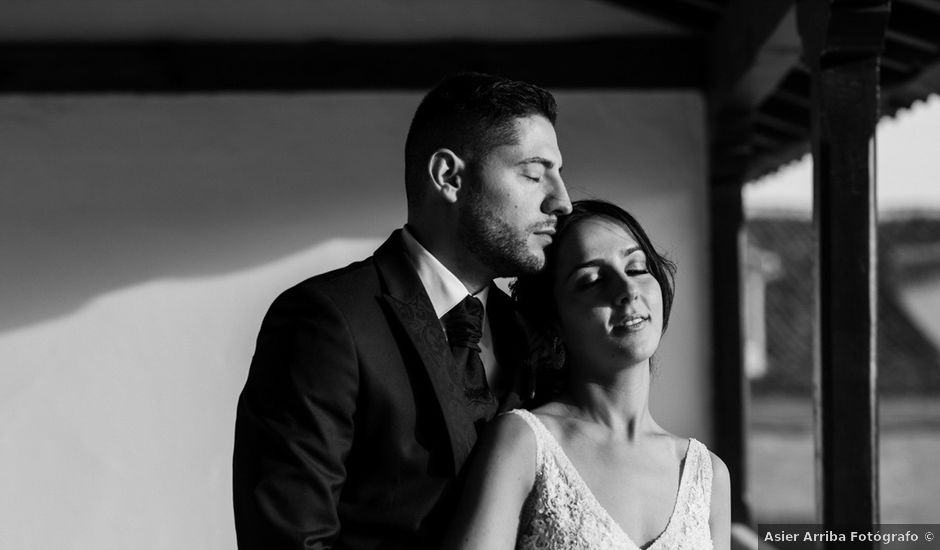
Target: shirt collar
443 287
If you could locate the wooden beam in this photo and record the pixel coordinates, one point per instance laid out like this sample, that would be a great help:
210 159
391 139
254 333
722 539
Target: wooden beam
902 95
796 84
750 51
713 6
917 22
893 72
778 129
843 40
729 386
792 98
911 41
768 159
797 115
730 154
692 17
765 142
753 48
912 53
183 67
754 45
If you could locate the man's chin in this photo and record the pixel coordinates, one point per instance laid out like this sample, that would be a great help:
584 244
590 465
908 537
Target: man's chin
533 263
513 261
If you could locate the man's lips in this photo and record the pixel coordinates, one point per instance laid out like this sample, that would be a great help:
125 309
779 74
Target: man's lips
548 234
549 231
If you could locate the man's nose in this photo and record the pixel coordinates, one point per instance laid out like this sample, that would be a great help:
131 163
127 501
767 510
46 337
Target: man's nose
557 202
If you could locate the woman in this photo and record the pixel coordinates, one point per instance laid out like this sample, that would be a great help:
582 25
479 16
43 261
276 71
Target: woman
591 469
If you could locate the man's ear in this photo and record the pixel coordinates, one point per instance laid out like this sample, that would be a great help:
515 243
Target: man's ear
447 172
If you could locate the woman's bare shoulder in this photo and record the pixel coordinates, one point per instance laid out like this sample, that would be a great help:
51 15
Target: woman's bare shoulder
512 421
720 474
555 416
510 431
508 448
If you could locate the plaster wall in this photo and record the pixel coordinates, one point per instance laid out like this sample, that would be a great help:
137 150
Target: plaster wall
143 237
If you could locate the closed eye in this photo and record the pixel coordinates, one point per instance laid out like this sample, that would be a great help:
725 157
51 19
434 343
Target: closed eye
586 282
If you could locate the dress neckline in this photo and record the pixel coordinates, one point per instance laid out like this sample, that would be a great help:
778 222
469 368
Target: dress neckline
575 476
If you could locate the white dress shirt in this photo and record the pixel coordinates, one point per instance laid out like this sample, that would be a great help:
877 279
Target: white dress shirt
446 291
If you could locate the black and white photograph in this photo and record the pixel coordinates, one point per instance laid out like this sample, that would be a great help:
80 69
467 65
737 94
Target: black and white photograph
522 274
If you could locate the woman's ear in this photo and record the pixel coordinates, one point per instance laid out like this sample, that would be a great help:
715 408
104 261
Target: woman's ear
446 170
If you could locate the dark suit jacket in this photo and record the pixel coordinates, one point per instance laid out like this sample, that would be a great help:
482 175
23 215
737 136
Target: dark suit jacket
351 431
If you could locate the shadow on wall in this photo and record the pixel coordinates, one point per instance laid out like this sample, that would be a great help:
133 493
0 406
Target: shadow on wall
106 192
102 192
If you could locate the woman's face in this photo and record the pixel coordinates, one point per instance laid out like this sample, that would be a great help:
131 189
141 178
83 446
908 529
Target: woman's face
610 307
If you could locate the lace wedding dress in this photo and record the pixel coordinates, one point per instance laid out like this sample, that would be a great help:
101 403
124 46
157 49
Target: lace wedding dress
561 513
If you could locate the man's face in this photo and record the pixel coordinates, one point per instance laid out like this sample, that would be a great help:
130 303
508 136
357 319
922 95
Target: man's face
513 197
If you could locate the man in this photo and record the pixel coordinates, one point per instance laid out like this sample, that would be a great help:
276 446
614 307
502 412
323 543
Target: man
369 384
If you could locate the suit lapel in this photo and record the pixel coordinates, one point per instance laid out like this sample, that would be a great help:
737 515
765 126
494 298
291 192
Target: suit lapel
409 303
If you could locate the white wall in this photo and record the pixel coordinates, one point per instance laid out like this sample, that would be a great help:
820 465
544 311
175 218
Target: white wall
143 237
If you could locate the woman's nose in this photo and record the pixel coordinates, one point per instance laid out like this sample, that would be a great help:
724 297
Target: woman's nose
627 290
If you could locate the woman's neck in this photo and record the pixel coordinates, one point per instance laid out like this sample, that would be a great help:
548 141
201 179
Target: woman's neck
621 404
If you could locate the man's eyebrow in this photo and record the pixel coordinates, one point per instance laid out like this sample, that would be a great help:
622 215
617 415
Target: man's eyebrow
537 160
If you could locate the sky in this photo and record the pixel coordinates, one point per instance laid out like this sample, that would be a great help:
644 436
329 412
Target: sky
908 168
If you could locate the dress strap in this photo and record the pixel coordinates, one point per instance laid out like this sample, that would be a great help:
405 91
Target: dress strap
705 469
699 493
540 432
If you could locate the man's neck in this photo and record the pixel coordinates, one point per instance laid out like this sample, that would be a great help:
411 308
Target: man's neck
458 262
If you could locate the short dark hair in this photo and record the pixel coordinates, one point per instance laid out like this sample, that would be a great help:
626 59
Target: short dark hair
533 294
469 113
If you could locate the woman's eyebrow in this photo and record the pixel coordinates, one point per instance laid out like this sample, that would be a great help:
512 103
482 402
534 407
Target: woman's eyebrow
596 262
628 251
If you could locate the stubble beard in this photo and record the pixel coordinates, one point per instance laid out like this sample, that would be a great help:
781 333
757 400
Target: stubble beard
497 245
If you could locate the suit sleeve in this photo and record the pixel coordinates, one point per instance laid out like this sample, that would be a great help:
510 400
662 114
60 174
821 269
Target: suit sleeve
294 426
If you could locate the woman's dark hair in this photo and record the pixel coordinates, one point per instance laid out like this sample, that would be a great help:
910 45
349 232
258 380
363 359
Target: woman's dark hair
534 294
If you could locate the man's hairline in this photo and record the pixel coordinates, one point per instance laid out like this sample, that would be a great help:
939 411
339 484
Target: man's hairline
514 140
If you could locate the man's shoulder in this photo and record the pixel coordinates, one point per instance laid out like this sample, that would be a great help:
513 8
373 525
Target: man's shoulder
346 293
356 279
357 282
353 273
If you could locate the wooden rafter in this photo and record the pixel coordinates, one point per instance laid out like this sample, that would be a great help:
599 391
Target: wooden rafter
781 129
795 114
692 16
913 53
916 22
180 67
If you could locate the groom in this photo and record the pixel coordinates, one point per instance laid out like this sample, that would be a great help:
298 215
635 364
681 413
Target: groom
369 384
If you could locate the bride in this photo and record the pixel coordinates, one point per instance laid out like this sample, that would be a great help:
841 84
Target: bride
591 469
